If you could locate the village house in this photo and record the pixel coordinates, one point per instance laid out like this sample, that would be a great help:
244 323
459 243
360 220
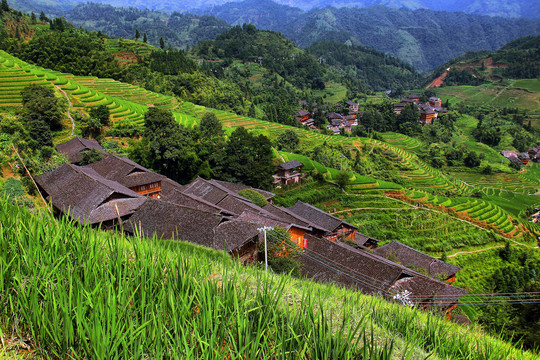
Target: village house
87 197
418 261
296 232
337 262
353 106
130 174
414 98
289 172
288 217
435 101
427 114
511 155
167 221
524 157
302 115
334 227
398 107
75 148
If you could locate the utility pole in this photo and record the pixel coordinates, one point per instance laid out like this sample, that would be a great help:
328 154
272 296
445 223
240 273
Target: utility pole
264 229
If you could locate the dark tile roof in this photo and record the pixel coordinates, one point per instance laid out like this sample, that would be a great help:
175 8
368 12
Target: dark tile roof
169 221
370 272
206 190
73 148
268 220
234 234
169 187
302 113
361 239
323 219
434 99
413 96
86 195
125 171
334 115
335 122
288 216
177 197
351 103
239 187
399 105
408 256
290 165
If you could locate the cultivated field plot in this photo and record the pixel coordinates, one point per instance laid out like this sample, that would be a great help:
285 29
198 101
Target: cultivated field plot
356 183
513 182
478 211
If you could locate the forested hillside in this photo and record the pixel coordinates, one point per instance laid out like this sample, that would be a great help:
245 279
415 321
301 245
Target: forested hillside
176 29
519 59
423 38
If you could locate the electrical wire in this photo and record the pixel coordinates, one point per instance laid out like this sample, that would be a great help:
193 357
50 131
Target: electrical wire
438 300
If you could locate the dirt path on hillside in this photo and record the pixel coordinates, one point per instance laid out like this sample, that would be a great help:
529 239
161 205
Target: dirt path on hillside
475 251
69 108
439 80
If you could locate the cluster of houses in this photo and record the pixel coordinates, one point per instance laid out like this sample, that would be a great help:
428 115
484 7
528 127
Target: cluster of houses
428 111
116 192
336 121
533 154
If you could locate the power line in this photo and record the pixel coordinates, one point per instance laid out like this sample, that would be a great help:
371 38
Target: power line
438 300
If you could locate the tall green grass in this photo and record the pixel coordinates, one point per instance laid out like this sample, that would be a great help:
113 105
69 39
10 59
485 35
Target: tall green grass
76 292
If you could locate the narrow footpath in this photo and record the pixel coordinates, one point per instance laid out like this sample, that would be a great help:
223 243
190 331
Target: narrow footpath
68 110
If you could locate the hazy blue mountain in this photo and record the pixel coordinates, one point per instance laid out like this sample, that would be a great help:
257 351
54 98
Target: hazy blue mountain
505 8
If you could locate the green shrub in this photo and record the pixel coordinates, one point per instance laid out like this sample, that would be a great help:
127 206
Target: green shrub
254 197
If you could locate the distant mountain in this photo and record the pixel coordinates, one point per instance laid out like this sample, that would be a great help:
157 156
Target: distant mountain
504 8
423 38
178 30
519 59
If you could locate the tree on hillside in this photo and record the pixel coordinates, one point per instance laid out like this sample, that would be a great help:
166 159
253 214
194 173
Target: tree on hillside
43 17
172 147
137 34
4 6
245 159
472 159
101 114
287 141
210 126
40 103
145 38
161 43
33 18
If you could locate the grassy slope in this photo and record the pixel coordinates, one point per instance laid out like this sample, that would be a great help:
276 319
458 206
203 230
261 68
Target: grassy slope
127 298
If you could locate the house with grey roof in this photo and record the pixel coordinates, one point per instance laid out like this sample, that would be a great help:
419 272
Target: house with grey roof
75 148
334 227
130 174
289 172
168 221
416 260
339 263
81 194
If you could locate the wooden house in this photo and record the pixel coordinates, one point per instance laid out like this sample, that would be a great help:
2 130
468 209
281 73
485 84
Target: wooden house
130 174
353 106
374 274
169 221
296 232
398 107
427 114
334 227
75 148
217 194
524 157
289 172
302 115
87 197
435 101
512 156
415 98
418 261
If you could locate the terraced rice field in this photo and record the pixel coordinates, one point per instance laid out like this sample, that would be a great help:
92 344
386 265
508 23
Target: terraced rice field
482 212
357 183
512 182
